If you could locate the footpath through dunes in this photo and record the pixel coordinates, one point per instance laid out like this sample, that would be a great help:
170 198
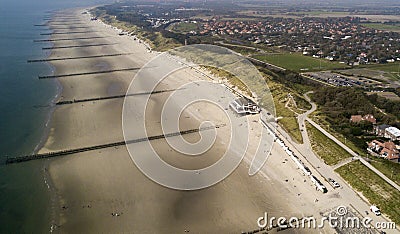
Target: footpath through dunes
94 185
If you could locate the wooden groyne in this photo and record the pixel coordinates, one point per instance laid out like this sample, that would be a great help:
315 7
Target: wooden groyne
113 97
72 58
75 24
64 21
60 17
77 46
88 73
26 158
58 28
66 33
67 39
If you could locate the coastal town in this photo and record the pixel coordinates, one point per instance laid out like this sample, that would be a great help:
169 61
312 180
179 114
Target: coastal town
335 39
345 39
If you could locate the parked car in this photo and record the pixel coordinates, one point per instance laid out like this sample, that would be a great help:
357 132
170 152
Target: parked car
375 210
333 183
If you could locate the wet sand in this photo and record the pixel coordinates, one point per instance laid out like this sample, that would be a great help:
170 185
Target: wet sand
93 185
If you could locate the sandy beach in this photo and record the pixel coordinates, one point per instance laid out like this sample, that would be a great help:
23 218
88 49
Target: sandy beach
93 185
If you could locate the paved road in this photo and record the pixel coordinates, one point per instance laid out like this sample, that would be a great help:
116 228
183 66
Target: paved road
349 197
363 161
306 140
342 163
301 120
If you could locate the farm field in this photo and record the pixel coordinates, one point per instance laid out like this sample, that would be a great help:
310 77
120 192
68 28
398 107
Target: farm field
385 27
298 62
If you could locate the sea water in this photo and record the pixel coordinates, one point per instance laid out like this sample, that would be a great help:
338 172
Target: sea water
25 111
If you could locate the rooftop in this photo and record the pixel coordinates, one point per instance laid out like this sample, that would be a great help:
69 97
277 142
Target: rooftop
244 101
383 126
394 131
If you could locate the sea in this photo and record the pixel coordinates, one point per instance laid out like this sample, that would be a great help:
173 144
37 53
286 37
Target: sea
26 204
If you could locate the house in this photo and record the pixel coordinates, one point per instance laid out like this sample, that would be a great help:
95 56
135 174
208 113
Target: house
387 150
370 118
244 105
358 118
392 133
380 129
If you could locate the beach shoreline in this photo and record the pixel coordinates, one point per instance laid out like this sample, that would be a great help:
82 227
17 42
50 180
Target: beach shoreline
91 187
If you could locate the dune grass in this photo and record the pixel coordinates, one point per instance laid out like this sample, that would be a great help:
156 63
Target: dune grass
330 152
373 187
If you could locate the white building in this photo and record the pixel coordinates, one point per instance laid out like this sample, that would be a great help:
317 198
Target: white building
392 133
244 106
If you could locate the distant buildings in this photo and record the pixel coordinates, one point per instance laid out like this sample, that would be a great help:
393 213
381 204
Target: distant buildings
341 39
358 118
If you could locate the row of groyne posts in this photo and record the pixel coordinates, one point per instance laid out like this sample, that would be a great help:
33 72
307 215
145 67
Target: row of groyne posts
54 25
70 23
25 158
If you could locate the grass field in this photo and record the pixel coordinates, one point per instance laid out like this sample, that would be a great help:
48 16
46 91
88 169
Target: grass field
391 71
316 13
373 187
388 67
384 27
298 62
390 169
376 75
330 152
183 27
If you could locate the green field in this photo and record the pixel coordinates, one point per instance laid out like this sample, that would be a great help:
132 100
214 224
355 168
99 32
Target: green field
390 169
385 27
298 62
330 152
184 27
391 71
316 13
373 187
388 67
